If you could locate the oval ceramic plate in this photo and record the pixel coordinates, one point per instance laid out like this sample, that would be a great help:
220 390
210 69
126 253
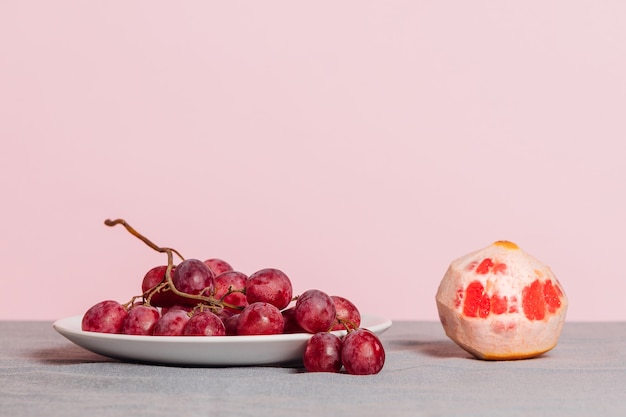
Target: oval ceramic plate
200 350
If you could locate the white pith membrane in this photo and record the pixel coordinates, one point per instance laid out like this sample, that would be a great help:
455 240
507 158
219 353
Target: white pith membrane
521 308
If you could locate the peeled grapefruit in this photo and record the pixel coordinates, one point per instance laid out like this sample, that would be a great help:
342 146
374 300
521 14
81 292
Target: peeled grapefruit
500 303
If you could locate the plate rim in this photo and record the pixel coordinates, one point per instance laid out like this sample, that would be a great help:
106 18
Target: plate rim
207 351
61 327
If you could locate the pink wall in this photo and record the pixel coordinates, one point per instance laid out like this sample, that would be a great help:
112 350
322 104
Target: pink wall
357 146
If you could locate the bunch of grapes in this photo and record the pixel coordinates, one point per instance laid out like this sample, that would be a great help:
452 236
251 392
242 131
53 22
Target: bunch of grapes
209 298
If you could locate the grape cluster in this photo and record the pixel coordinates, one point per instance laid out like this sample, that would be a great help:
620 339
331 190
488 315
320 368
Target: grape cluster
210 298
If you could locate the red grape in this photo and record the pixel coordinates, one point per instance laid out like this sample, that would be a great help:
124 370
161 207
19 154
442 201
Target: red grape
104 317
204 323
269 286
171 323
291 324
315 311
231 325
322 353
230 288
236 302
141 320
346 312
164 297
218 266
192 276
260 318
362 353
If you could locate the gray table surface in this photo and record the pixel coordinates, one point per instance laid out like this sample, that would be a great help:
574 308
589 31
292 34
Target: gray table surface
43 374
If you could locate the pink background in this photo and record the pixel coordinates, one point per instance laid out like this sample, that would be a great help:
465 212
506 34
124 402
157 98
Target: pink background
358 146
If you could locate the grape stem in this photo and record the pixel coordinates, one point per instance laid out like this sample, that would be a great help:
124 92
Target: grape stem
231 291
129 304
147 296
141 237
168 283
347 324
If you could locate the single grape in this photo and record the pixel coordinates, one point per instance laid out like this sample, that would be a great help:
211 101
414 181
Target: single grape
269 285
104 317
204 323
347 313
163 297
236 302
230 287
218 266
322 353
141 320
362 353
153 277
231 325
315 311
192 276
171 323
260 318
291 324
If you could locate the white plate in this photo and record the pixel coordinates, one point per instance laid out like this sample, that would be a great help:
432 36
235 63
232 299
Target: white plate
200 350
